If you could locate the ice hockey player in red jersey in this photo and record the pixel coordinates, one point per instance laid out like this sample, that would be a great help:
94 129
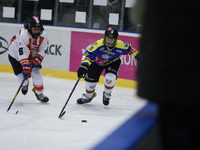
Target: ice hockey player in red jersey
26 51
103 54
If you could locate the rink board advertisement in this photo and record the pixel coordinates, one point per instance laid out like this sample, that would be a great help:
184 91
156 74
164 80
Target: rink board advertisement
80 41
58 54
66 48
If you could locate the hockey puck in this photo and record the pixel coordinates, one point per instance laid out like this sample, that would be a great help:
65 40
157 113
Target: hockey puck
16 112
84 120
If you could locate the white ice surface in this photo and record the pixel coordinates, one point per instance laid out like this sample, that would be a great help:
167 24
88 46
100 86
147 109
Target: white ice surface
37 126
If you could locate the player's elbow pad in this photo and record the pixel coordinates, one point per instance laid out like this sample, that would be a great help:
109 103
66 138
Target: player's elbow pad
137 57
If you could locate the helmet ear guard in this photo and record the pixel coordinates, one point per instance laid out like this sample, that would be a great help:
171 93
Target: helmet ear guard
34 22
111 33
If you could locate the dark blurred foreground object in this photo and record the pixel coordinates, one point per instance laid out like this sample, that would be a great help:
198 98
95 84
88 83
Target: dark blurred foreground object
169 67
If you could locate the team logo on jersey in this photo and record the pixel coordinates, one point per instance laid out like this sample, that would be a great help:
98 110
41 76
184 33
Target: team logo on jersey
100 61
95 43
105 56
21 44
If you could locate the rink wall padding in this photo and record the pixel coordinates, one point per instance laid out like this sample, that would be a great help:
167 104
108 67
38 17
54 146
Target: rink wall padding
73 76
67 45
140 132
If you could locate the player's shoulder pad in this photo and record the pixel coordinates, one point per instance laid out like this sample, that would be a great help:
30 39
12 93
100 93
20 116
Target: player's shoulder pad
96 45
120 44
24 33
44 34
99 43
22 37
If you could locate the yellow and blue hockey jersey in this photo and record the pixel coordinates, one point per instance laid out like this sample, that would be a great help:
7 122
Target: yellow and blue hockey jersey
102 55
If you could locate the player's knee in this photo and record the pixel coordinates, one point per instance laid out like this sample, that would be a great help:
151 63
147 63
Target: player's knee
110 79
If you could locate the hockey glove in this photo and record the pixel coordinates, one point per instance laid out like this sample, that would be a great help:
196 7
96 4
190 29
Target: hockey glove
26 70
82 71
35 62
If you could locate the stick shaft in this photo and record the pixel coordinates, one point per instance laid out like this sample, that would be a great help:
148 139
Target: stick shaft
61 113
16 95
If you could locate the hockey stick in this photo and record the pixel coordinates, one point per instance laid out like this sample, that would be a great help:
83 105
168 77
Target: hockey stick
62 111
16 94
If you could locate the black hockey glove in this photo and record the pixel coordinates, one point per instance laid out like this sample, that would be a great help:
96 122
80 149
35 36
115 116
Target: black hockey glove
82 70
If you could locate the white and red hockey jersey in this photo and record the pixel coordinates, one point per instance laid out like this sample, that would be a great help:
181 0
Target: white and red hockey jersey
23 47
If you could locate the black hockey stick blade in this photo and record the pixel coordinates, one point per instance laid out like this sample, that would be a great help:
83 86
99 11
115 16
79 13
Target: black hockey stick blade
16 94
62 114
62 111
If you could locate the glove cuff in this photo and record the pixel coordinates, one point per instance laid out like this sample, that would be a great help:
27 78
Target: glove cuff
24 61
39 58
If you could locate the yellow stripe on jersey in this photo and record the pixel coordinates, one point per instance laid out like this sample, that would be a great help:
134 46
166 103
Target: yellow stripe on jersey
86 61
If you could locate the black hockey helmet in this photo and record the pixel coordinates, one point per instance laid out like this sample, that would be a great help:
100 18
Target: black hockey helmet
34 22
111 33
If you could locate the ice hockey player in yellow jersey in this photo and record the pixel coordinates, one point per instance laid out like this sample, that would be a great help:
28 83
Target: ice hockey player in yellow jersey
103 54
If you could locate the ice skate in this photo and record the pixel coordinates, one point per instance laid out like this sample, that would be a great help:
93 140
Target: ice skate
41 97
106 98
85 99
24 89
